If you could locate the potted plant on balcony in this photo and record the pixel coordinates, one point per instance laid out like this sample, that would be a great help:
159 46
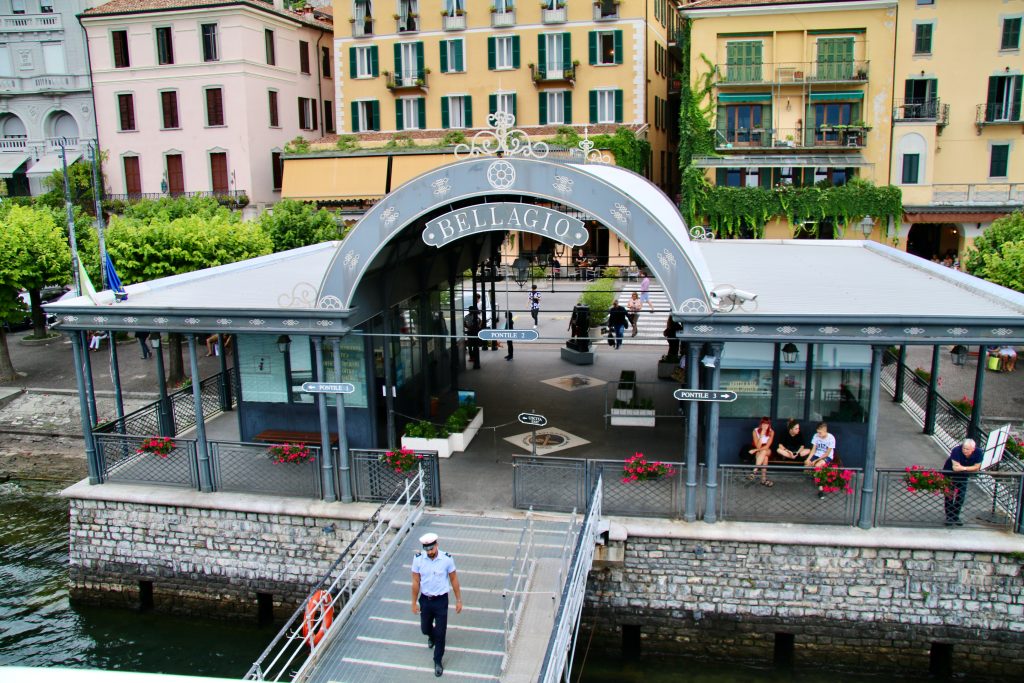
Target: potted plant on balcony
403 461
637 468
160 446
923 480
289 453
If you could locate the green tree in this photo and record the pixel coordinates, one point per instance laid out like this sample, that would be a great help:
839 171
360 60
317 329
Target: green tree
998 254
154 247
79 184
292 224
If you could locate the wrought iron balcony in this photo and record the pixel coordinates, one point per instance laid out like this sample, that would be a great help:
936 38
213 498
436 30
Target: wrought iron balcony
14 23
230 197
796 73
844 137
998 113
542 75
404 81
506 18
921 110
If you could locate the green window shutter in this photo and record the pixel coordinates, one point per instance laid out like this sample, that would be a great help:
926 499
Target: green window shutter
1015 110
835 58
374 61
515 105
444 113
467 103
419 59
923 39
398 61
351 62
515 52
1000 156
908 90
421 106
992 103
542 55
460 60
492 59
355 117
593 106
1011 34
910 168
444 55
566 50
592 47
618 46
542 104
567 107
743 60
618 106
375 124
492 104
399 115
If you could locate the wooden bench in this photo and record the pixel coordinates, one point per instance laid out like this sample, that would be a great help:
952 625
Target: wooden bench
285 436
776 459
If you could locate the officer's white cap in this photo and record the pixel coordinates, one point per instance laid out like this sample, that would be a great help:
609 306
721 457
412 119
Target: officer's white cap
428 539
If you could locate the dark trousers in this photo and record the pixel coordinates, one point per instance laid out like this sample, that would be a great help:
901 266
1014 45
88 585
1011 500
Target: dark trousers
434 621
535 312
619 329
955 500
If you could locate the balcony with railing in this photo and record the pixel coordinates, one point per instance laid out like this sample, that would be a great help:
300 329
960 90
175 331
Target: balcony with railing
13 144
361 28
792 73
227 197
407 80
832 137
606 10
45 84
999 114
14 23
407 23
978 194
553 16
921 110
453 21
543 75
501 19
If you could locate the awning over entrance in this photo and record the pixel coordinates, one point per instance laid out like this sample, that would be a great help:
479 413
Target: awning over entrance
336 177
782 161
954 217
11 163
51 163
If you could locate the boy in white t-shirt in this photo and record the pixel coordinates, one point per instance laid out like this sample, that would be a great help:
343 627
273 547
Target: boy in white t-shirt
823 450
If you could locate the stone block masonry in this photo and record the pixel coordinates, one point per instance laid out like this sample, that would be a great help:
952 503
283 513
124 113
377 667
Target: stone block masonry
865 608
204 560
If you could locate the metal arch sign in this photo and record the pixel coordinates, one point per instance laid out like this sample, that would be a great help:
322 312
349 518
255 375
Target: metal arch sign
502 216
508 335
533 419
328 387
704 395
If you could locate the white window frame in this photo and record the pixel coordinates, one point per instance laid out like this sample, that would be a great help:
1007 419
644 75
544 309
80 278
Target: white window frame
504 98
216 42
503 53
611 35
450 49
364 116
606 106
410 113
553 46
6 66
54 60
364 62
556 107
459 113
410 65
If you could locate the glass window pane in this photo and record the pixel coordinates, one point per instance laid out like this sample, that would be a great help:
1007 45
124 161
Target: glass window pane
300 358
753 392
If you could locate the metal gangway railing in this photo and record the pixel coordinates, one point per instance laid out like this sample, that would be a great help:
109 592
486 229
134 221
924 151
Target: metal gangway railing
558 658
294 651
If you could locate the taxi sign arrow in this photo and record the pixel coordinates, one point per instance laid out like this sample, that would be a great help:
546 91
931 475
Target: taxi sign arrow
704 395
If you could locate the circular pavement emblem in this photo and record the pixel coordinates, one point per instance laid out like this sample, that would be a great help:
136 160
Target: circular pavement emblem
547 440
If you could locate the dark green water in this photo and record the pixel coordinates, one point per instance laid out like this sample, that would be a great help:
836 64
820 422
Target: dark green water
40 627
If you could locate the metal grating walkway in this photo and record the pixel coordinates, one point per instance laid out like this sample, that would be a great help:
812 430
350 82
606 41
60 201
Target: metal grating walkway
382 641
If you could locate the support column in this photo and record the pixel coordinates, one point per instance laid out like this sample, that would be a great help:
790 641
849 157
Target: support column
164 403
974 429
711 441
389 375
90 390
326 461
932 401
776 376
867 490
202 450
115 374
92 460
225 379
345 456
692 426
808 381
901 365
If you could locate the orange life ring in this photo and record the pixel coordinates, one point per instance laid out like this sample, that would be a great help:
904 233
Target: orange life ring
318 618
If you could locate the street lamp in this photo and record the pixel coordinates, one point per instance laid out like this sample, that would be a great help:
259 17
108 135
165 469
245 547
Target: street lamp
283 342
867 226
790 352
521 271
959 354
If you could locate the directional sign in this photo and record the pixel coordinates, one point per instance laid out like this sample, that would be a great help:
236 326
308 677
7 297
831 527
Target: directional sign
508 335
704 395
533 419
328 387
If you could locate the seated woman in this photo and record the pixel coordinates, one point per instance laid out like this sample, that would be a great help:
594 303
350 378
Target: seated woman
792 444
761 442
1007 358
823 451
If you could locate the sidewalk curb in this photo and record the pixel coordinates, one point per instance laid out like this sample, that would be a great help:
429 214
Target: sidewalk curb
102 394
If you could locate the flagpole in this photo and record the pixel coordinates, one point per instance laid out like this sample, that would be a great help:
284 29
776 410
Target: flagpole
71 221
97 193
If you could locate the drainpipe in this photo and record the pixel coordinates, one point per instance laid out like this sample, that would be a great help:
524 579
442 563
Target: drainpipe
92 90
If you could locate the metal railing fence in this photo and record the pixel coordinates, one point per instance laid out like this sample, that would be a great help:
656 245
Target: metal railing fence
987 500
247 468
662 497
793 496
513 597
373 480
345 584
120 461
950 424
562 643
552 484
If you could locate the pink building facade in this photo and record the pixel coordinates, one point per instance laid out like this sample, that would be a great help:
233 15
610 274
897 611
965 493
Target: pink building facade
200 97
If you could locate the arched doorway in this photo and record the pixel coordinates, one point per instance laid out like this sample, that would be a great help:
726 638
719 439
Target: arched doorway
62 126
937 242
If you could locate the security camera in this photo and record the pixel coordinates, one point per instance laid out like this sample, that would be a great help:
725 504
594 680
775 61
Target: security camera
727 295
742 295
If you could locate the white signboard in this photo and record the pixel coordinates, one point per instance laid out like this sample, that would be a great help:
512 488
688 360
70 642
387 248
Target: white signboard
995 446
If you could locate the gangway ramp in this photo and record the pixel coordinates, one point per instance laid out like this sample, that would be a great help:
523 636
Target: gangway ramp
382 642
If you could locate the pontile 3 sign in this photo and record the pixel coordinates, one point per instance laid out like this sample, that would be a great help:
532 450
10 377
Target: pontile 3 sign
505 216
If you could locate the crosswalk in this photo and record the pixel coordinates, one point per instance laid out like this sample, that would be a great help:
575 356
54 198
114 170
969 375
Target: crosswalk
650 325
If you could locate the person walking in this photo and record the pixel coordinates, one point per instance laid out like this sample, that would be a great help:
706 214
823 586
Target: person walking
645 291
618 320
471 326
432 573
508 326
962 459
534 305
634 307
143 338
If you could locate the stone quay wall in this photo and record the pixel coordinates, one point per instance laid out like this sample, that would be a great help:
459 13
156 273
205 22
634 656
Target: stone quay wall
202 561
874 607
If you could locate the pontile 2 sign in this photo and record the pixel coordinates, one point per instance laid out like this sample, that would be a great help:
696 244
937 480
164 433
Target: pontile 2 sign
505 216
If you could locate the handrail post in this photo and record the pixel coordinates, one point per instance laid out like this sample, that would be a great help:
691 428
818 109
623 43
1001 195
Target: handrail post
901 365
931 404
974 429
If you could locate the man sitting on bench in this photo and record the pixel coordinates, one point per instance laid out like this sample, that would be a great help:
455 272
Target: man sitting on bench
791 444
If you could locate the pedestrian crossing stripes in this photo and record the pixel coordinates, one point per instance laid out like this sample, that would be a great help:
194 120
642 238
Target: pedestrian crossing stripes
650 325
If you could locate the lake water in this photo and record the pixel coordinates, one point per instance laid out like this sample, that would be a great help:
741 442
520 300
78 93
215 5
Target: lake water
40 627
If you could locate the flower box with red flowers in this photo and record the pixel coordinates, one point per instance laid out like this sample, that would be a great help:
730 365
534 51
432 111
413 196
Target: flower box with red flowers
157 445
290 453
402 461
922 480
637 468
831 479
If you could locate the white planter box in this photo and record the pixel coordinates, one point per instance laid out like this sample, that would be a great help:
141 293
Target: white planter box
503 19
460 441
624 395
553 16
456 23
442 446
632 417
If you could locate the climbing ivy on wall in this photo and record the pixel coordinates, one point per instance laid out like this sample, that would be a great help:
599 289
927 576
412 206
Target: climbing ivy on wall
630 151
696 129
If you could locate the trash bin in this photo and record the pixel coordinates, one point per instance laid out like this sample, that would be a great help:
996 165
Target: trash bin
993 363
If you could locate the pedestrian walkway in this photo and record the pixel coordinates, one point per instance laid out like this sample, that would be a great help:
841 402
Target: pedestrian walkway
382 641
650 326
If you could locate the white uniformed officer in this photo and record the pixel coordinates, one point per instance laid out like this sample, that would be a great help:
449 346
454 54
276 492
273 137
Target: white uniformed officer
431 573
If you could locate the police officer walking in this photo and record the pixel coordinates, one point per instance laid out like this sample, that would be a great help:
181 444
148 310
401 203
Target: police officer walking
432 571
